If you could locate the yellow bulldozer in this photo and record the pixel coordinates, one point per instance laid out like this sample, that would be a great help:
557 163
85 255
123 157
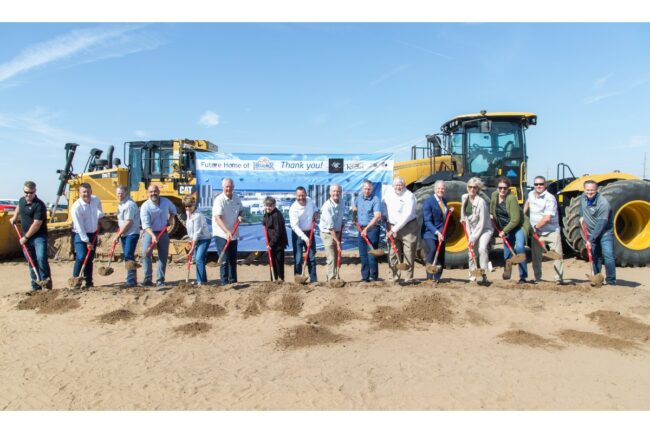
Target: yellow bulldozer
170 164
493 144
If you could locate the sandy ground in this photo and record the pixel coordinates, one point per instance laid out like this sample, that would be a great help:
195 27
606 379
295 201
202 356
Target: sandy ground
258 345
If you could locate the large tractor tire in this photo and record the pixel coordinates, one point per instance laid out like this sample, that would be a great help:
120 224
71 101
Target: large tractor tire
456 245
630 203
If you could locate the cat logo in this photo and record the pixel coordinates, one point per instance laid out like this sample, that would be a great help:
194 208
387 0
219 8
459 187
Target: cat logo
186 189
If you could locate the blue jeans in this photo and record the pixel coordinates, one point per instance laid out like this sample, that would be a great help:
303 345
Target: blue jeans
369 266
37 248
163 251
299 247
80 250
228 270
200 257
430 246
129 243
603 250
517 241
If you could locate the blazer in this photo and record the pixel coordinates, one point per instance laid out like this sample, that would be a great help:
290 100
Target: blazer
433 218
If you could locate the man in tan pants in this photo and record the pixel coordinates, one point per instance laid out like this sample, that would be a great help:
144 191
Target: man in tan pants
545 223
398 205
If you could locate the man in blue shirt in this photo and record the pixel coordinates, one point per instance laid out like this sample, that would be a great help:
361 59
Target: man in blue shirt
366 211
157 214
596 213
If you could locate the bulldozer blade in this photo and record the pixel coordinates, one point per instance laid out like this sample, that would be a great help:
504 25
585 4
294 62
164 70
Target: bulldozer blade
132 265
377 252
105 271
596 280
518 258
433 269
552 255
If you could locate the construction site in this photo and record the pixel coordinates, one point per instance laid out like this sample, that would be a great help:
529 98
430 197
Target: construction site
262 345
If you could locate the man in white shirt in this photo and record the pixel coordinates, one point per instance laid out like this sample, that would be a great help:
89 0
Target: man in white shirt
399 208
156 215
331 222
545 223
227 210
128 220
86 213
302 214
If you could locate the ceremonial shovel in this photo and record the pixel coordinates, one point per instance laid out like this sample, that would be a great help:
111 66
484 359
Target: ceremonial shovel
132 265
42 283
400 265
595 280
225 247
107 270
553 255
374 251
434 268
303 278
75 282
478 273
187 285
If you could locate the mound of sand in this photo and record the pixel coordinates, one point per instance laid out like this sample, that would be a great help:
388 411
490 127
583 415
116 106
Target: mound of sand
169 306
193 329
332 315
204 310
627 328
598 341
290 304
525 338
48 302
308 335
117 315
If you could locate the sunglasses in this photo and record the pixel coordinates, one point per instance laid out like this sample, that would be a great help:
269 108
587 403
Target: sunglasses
189 206
472 187
29 192
539 184
503 187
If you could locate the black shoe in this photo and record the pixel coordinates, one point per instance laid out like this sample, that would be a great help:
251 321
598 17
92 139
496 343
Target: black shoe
147 284
523 281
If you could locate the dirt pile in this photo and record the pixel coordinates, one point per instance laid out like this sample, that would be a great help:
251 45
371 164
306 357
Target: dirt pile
332 316
611 322
256 303
48 302
387 317
193 329
429 308
290 304
170 306
115 316
204 310
525 338
308 335
598 341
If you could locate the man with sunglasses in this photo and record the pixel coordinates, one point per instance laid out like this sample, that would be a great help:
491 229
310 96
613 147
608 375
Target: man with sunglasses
33 218
156 214
545 224
128 219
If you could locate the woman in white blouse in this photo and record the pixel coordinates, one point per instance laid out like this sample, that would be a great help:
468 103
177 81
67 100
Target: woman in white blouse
475 212
199 233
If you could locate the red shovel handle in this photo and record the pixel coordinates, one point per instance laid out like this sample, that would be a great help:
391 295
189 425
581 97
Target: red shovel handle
311 235
189 255
110 255
162 232
362 235
234 230
469 244
503 238
92 244
29 257
338 250
392 242
539 241
268 246
444 228
584 231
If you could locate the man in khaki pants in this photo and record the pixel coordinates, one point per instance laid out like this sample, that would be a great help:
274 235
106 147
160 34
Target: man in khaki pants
545 223
398 205
331 222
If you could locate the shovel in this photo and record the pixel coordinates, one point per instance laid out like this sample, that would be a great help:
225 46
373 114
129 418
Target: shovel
595 280
225 247
434 268
75 282
187 285
132 265
374 251
268 252
42 283
337 282
478 273
516 258
303 278
553 255
400 265
107 270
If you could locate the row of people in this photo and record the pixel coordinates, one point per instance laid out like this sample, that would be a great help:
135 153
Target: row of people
397 208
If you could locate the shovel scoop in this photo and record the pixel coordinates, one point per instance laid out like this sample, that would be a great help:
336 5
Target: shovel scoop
377 252
400 265
594 280
75 282
551 255
108 270
303 278
434 267
43 284
337 282
132 265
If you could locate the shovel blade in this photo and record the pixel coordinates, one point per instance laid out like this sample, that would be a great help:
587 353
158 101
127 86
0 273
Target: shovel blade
336 283
185 285
377 252
518 258
433 269
300 279
402 266
75 282
596 280
552 255
132 265
104 271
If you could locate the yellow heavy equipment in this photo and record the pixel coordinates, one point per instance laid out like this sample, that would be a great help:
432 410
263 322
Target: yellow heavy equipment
493 144
170 164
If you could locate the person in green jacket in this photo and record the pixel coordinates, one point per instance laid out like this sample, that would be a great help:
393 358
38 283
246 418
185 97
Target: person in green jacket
510 222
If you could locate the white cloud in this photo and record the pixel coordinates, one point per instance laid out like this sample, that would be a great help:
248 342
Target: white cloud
209 119
600 83
596 98
639 141
388 74
141 134
94 44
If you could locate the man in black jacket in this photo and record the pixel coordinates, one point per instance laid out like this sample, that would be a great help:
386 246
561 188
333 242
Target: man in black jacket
277 236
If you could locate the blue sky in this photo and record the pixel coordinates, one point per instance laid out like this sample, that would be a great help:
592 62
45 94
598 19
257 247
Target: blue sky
314 87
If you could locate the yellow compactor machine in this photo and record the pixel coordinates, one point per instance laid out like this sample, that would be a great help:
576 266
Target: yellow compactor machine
493 144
